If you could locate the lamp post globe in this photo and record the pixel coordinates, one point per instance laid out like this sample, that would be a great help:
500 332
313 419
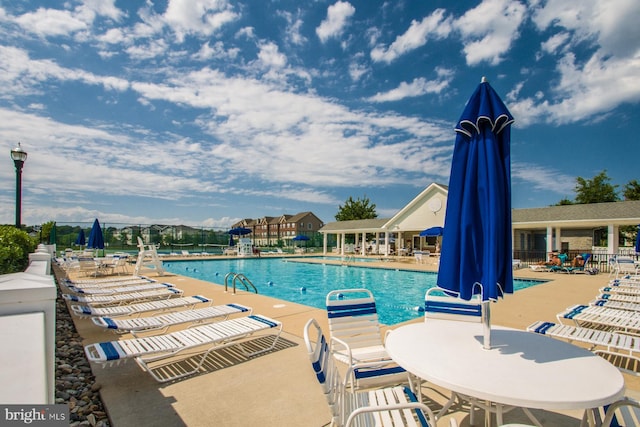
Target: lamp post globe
19 156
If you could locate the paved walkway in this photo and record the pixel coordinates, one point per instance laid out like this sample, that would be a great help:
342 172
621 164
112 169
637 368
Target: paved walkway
279 389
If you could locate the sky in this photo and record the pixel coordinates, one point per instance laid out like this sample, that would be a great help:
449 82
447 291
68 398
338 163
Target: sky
204 112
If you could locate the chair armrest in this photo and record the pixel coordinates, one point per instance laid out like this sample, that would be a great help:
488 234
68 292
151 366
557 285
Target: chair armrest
346 349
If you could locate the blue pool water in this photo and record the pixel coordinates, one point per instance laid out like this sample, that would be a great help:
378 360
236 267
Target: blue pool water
398 293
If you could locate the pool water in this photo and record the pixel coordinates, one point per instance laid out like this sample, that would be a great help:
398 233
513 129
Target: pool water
398 293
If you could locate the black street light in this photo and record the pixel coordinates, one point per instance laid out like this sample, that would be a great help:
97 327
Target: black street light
19 156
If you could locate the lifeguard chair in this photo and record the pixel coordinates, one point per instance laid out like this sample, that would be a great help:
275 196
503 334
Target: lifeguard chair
148 258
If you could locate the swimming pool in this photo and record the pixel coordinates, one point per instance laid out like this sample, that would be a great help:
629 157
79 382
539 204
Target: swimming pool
398 293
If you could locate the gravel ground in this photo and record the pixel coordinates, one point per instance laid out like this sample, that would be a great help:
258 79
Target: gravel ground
75 383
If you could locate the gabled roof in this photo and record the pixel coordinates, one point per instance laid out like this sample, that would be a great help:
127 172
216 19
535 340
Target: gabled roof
356 225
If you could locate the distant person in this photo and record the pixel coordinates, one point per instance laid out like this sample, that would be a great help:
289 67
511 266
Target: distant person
578 261
554 260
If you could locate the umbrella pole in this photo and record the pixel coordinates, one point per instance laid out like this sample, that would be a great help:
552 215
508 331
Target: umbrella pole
486 323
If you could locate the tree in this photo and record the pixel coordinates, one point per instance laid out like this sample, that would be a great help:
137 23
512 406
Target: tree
596 190
356 209
631 190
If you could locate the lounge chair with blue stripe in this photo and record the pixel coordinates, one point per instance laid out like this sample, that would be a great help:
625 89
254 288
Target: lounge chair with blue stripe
162 322
122 289
615 343
116 299
610 318
620 305
106 285
101 281
158 348
389 406
621 289
619 297
84 311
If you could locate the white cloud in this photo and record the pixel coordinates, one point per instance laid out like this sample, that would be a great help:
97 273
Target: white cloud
199 17
338 16
418 87
434 25
294 27
489 30
592 87
270 56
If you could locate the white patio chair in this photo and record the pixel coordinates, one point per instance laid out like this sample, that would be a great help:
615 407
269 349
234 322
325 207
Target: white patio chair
354 326
390 406
625 412
356 336
625 266
156 348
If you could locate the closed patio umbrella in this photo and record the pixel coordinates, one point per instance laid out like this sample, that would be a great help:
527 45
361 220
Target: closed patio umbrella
96 240
638 240
80 240
476 248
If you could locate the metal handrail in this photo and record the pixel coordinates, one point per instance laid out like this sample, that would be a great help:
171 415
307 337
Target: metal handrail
242 278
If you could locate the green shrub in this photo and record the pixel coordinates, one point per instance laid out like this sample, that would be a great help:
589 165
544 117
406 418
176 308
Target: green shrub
15 247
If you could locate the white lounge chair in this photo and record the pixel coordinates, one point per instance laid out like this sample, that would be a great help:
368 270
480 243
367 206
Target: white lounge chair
613 343
84 311
390 406
116 299
121 289
108 284
101 281
160 347
610 318
162 322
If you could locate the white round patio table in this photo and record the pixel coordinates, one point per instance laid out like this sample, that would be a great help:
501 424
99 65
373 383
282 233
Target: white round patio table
521 369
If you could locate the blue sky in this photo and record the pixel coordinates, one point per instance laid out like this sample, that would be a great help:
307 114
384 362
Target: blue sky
202 112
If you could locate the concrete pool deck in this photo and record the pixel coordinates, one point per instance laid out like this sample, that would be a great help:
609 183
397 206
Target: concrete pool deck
279 388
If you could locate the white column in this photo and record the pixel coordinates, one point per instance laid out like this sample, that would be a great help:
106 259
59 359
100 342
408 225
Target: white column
387 244
342 237
612 239
363 248
324 243
549 240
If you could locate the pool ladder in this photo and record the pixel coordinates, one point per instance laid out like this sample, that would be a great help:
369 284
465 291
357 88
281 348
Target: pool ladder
238 277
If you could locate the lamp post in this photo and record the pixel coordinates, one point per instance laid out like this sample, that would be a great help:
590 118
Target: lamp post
19 156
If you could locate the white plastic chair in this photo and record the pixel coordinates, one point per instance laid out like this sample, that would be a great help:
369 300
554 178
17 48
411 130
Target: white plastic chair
624 412
390 406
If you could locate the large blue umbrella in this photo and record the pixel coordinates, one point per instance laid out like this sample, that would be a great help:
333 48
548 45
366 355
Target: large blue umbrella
300 238
231 241
96 240
638 240
81 240
476 255
431 232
